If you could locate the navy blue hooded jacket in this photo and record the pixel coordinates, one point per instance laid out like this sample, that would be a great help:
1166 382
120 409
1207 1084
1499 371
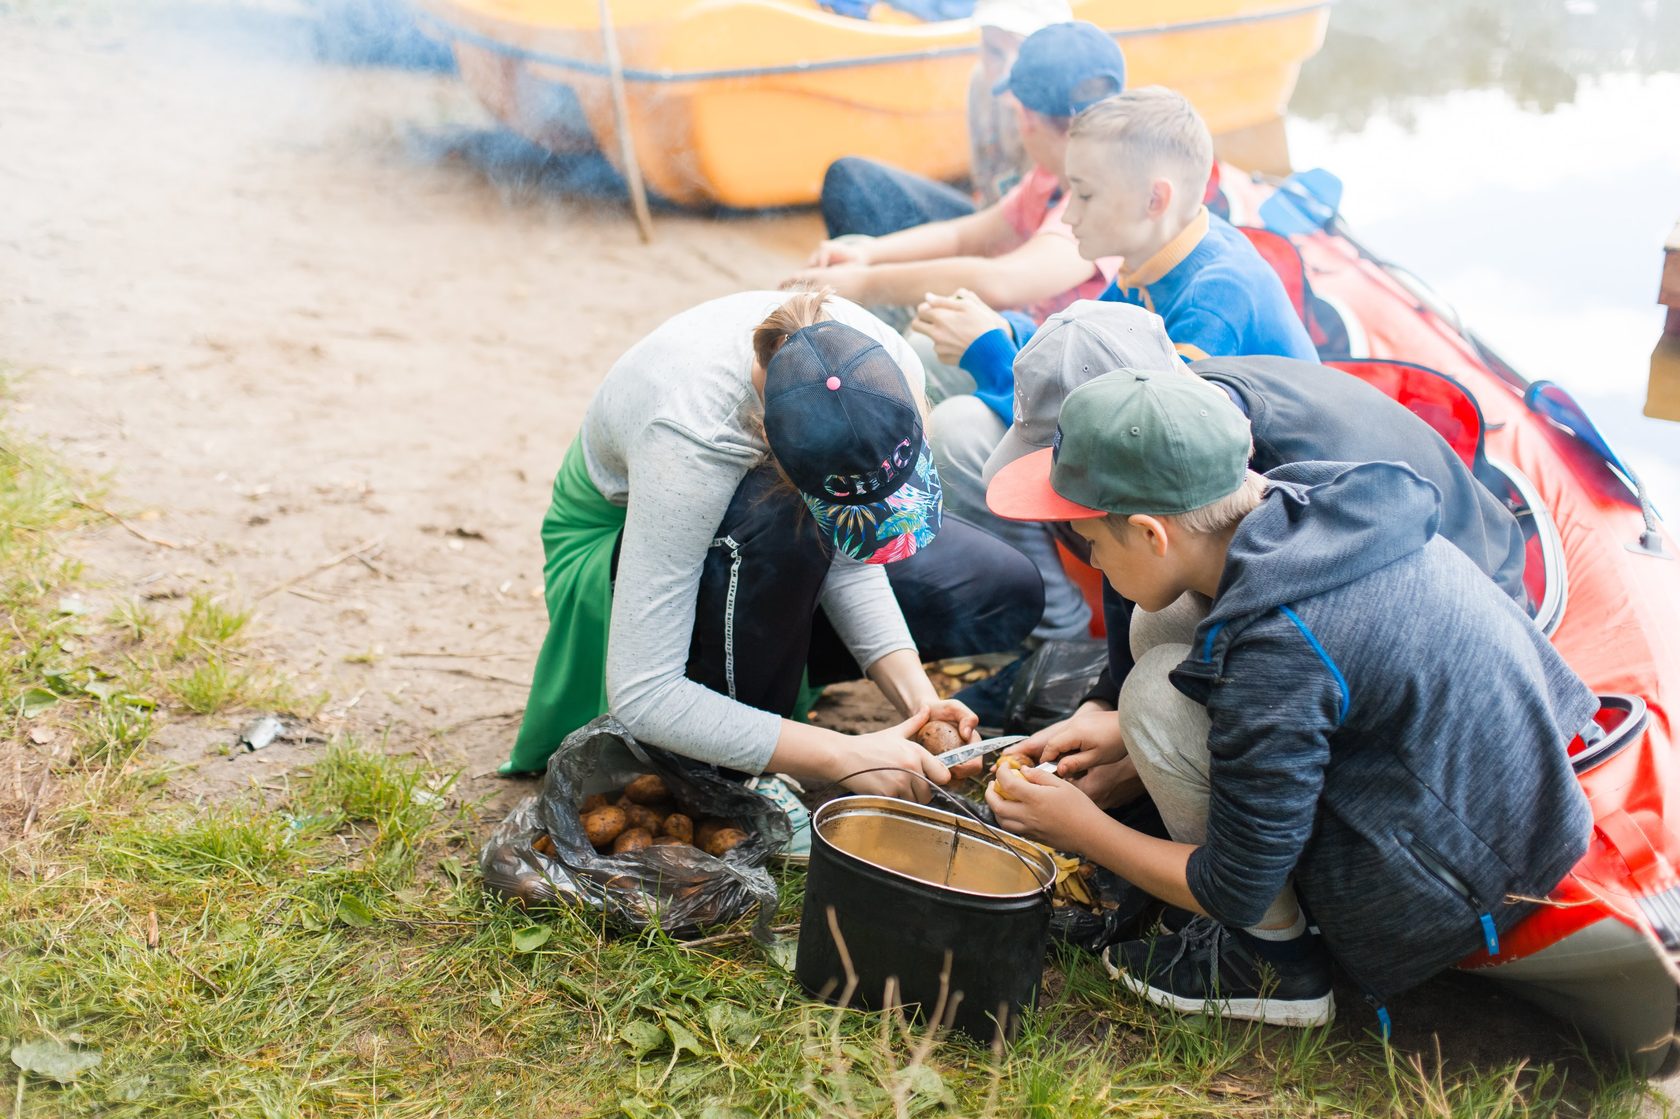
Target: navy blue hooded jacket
1386 726
1302 411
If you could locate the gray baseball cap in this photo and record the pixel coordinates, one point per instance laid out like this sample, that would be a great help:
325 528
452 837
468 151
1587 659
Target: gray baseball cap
1074 346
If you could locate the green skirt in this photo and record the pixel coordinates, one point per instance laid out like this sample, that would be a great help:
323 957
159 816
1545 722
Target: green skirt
569 685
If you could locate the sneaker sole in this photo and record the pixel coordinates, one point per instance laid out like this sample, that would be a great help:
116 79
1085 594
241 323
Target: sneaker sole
1297 1013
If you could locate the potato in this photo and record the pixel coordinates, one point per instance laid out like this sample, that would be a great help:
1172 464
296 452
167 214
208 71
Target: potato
725 840
708 827
544 844
633 839
604 825
649 788
592 802
641 816
679 827
939 736
669 841
1017 762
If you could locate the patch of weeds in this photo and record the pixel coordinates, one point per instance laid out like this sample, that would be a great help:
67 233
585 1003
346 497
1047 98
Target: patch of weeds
134 620
209 687
198 659
208 626
225 841
395 803
113 732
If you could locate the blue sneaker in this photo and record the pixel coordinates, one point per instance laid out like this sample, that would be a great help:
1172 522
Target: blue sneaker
783 791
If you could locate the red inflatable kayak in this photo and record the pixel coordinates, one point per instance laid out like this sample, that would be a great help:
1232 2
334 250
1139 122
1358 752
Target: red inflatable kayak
1601 950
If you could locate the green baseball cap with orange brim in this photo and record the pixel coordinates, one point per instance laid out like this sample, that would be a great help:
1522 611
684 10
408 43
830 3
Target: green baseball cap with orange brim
1130 441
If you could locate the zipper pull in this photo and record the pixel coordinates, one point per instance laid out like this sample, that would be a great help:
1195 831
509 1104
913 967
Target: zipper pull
1490 935
1385 1026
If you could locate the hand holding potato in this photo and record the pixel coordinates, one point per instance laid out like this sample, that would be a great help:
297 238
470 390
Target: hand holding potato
1043 807
953 322
891 756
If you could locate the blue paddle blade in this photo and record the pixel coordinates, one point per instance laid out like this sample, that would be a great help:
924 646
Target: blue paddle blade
1305 202
1552 400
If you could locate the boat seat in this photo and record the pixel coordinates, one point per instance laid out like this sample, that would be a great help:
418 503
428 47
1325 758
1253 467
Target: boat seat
1285 260
1433 397
1323 322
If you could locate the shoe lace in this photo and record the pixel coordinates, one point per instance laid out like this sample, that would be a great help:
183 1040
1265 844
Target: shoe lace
774 789
1201 934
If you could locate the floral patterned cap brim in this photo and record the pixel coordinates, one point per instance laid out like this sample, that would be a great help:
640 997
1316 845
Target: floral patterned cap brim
895 528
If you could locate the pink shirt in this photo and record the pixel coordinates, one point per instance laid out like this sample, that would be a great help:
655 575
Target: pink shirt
1034 207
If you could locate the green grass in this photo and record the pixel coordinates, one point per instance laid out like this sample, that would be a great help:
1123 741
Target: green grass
327 950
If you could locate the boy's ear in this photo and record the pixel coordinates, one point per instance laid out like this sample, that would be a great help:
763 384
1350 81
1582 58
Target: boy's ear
1154 531
1160 198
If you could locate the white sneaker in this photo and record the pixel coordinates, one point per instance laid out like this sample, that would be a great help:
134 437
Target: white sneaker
783 791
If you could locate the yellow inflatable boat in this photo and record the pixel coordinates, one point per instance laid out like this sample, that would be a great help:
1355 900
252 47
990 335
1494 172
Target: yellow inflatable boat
745 102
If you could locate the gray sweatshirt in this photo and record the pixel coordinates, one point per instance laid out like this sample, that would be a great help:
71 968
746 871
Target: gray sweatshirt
678 422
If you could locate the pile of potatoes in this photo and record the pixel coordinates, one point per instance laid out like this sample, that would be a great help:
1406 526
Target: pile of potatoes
645 815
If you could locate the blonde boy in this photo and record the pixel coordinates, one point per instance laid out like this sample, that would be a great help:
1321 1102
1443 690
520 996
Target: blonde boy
1311 658
1137 169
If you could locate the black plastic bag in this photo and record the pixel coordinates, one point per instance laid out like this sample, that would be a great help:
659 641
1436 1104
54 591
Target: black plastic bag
1122 908
1052 683
681 889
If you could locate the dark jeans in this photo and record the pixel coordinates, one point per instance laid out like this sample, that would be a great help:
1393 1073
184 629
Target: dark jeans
862 196
758 629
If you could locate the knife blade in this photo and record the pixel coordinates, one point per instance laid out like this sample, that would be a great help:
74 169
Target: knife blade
978 749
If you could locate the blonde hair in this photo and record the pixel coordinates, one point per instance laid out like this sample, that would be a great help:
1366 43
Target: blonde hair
1151 129
799 311
1215 516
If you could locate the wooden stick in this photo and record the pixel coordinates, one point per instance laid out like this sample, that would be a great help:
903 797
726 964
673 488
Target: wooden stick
95 507
508 714
491 676
84 502
724 938
342 557
621 111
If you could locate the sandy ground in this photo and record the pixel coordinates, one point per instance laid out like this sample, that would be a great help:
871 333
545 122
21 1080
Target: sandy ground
292 312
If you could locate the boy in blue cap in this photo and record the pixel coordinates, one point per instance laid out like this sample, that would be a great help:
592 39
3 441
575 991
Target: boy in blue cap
1307 743
863 195
1018 253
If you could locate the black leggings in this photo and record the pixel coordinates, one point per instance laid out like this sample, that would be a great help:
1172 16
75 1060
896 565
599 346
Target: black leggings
757 630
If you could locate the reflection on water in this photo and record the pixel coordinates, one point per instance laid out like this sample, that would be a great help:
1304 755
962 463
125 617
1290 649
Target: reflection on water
1383 59
1524 159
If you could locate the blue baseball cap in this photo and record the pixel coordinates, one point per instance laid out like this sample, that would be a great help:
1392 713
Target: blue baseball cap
1064 68
843 424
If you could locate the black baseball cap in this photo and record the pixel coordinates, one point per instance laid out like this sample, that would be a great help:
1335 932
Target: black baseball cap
843 424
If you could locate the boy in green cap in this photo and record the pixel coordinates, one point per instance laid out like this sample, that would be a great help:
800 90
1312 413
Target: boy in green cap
1318 674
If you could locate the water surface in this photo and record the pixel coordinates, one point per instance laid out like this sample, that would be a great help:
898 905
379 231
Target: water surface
1524 159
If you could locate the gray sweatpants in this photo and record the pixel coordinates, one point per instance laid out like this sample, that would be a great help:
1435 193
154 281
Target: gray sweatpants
964 432
1166 731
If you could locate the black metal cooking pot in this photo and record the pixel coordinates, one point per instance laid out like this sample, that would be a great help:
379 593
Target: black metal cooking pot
918 894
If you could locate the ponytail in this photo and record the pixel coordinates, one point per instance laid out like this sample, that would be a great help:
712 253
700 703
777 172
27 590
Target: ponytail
798 312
